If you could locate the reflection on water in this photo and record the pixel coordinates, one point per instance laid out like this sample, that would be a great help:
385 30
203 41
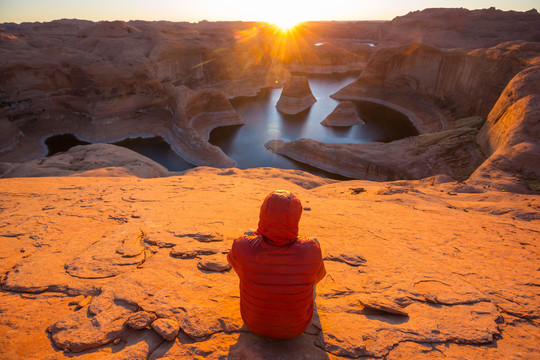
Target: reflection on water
245 144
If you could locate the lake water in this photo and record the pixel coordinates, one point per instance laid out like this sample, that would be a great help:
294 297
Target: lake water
245 143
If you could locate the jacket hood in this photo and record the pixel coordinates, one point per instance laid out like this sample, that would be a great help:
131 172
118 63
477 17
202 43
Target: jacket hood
279 217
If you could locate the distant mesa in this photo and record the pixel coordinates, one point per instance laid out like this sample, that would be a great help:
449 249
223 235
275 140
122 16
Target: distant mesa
109 29
343 115
296 96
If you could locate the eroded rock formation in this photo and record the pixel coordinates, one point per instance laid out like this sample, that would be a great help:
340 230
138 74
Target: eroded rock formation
296 96
343 115
431 85
109 81
510 135
208 109
452 152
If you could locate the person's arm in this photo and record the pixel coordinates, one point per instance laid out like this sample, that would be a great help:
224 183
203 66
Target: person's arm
321 273
231 257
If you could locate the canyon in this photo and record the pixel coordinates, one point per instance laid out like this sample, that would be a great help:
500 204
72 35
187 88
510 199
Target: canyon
431 245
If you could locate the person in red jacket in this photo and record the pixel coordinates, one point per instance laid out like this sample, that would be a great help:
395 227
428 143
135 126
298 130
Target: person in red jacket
278 270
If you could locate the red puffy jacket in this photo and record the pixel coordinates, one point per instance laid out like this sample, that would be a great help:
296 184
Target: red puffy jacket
277 270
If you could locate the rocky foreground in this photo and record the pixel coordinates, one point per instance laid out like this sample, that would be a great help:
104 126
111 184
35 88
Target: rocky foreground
132 268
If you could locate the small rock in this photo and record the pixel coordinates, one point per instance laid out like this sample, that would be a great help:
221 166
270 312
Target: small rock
167 328
383 305
356 191
84 302
214 263
193 249
140 320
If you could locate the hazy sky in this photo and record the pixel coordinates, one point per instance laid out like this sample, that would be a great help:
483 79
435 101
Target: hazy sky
269 10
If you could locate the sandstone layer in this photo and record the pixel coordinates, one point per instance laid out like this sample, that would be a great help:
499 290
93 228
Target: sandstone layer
131 268
343 115
510 134
296 96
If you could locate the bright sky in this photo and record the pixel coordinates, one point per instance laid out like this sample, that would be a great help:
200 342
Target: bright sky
212 10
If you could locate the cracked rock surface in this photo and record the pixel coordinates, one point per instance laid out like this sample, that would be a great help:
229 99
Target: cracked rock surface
424 269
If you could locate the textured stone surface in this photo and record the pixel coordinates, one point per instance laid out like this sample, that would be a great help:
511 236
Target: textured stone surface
214 263
141 319
510 135
166 328
447 285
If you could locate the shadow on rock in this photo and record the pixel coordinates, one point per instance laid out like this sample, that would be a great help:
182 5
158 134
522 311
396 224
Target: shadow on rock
252 346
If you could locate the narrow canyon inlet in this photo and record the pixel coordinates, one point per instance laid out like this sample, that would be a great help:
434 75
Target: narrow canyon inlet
135 156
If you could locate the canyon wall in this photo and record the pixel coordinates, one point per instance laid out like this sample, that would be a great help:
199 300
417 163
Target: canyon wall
452 83
510 135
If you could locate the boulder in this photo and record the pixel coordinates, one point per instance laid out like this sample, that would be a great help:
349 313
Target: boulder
296 96
167 328
82 158
141 319
343 115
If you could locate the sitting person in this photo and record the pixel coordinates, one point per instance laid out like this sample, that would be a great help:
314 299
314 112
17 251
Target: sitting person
278 270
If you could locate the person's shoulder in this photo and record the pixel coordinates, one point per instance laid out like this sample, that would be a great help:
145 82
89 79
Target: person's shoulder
308 242
245 240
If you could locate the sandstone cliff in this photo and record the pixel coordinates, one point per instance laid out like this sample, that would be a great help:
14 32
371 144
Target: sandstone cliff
108 81
510 135
296 96
434 85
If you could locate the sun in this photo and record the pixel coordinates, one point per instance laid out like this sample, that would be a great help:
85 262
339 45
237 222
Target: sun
285 24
